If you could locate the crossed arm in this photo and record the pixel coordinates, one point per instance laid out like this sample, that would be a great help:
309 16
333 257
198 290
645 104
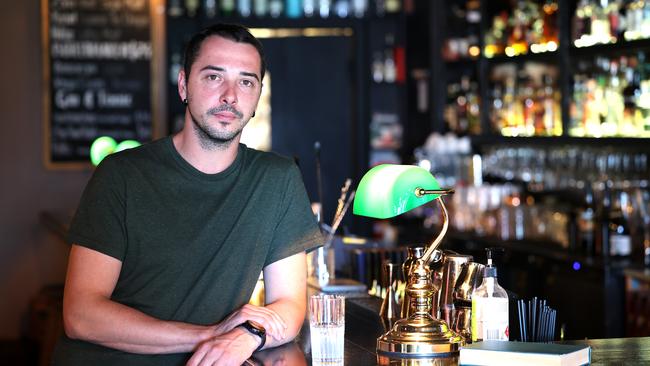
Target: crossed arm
89 314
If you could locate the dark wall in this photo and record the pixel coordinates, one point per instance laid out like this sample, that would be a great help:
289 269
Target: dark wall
30 256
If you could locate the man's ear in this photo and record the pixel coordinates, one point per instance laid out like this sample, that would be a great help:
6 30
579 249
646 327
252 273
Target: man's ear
182 85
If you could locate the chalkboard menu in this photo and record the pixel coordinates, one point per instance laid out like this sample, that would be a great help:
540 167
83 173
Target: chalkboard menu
98 75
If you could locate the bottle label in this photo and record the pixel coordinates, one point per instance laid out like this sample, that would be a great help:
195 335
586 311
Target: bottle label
489 319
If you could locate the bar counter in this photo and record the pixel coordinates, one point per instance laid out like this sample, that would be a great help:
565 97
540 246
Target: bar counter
362 327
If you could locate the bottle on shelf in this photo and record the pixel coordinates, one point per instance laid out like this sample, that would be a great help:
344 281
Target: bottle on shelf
175 8
227 7
342 8
462 112
611 98
294 9
359 8
620 239
392 6
244 8
276 7
324 7
602 223
191 7
260 8
210 8
586 223
309 7
489 307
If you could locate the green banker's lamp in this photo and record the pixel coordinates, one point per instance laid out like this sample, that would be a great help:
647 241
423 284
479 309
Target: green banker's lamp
386 191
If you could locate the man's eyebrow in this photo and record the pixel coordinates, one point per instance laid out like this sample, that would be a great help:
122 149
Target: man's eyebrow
218 68
251 74
215 68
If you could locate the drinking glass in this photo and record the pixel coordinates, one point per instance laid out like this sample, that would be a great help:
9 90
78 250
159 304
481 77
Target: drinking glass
327 328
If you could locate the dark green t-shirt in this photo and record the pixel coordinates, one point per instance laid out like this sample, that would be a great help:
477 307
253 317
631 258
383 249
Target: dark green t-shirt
192 245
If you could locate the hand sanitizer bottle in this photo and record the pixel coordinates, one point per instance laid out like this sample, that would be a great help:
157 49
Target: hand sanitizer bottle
489 307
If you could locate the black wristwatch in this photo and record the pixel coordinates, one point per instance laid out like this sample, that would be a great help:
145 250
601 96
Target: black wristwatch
256 329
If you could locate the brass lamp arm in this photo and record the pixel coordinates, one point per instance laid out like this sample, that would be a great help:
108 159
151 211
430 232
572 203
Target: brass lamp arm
426 258
421 191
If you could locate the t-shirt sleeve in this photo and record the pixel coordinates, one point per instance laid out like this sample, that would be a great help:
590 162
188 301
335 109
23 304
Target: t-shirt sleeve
99 222
297 230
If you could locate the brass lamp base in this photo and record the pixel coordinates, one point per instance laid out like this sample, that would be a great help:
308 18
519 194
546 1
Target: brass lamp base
419 336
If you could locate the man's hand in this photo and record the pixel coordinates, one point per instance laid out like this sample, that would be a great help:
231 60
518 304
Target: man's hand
230 348
275 326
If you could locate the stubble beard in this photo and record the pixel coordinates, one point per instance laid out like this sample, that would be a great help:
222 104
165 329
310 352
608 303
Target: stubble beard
211 138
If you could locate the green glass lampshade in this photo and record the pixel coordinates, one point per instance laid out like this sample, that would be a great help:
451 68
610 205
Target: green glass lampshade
101 148
389 190
126 144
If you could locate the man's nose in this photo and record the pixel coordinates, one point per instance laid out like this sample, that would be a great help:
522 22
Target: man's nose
229 94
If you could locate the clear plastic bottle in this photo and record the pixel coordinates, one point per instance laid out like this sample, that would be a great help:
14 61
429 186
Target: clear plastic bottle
490 307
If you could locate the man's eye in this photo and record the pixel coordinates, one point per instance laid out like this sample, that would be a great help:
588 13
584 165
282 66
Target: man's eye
247 83
213 77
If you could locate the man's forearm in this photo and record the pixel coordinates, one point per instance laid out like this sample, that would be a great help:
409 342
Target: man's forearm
114 325
293 313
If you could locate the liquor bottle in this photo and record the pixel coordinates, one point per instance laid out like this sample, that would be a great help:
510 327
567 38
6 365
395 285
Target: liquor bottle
342 8
550 36
614 100
579 22
552 123
528 105
227 7
309 7
450 113
577 108
600 24
377 67
244 8
393 6
644 29
462 106
380 8
473 109
294 9
586 223
276 7
602 223
620 239
359 8
518 38
324 7
616 19
631 123
496 110
210 8
260 8
191 6
390 69
511 113
175 8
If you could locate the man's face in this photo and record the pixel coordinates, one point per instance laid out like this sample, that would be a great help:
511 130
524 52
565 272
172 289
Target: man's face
223 88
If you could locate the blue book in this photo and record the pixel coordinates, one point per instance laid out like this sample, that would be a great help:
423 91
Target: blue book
524 353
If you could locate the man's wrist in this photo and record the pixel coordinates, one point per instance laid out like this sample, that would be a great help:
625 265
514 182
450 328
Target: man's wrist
256 341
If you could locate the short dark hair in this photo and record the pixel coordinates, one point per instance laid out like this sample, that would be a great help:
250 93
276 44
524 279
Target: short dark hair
234 32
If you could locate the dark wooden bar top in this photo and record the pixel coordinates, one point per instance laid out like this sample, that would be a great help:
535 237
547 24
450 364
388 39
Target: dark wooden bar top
362 327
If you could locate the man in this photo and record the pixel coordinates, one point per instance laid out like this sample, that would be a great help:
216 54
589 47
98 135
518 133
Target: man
169 238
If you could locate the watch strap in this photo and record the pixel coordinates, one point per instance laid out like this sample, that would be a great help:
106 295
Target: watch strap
257 330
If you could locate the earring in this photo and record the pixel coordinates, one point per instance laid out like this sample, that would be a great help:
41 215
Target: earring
185 101
253 115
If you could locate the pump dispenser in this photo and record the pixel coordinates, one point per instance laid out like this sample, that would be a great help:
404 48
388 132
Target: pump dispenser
490 306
